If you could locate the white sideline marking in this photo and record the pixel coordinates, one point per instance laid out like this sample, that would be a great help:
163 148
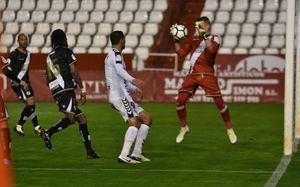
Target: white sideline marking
279 171
146 170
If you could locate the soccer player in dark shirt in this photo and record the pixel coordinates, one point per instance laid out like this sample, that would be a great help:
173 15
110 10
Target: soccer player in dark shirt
63 78
17 69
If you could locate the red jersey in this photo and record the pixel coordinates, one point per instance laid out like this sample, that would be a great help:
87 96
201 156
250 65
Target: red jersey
202 58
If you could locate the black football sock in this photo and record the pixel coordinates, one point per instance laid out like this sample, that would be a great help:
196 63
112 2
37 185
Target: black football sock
33 115
24 116
62 124
84 132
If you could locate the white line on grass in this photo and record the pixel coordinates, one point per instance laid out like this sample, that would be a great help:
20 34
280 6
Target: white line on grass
146 170
279 171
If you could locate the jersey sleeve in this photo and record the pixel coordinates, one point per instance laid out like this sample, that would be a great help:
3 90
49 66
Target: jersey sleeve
71 59
131 87
7 70
216 40
185 48
117 61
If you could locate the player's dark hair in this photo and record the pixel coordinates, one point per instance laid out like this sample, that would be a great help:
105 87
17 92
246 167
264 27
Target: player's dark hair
21 34
58 38
205 19
116 36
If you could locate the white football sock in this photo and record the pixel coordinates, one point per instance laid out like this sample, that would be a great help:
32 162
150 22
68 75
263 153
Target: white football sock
129 139
140 139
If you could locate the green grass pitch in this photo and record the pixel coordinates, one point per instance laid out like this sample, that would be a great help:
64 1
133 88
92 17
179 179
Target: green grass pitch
204 158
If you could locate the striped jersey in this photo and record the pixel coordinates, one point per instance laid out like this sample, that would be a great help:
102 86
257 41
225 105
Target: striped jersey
58 71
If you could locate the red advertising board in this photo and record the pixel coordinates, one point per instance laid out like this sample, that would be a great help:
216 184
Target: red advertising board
241 79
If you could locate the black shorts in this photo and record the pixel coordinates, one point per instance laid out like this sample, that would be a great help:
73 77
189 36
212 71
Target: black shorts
21 93
67 102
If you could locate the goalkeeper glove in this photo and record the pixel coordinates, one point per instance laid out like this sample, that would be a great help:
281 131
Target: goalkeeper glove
201 30
203 33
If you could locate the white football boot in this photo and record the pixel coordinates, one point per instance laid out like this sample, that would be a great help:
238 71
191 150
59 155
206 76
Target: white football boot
141 158
127 160
232 136
19 130
181 134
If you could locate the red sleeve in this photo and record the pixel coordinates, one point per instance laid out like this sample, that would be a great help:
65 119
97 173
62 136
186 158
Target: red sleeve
184 50
215 44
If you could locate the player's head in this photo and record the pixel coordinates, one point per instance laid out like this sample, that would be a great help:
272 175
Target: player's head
203 22
59 38
23 40
118 38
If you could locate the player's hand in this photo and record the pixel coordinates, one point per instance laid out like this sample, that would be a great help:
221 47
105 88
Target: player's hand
4 60
172 27
202 33
138 83
140 93
24 85
201 30
83 96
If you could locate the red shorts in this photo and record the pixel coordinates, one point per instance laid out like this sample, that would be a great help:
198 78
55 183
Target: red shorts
208 82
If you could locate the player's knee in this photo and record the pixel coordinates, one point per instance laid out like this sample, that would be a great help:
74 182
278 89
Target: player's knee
81 119
134 121
219 102
146 118
71 118
181 100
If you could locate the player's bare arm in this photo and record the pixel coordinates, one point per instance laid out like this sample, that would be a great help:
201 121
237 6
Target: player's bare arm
77 79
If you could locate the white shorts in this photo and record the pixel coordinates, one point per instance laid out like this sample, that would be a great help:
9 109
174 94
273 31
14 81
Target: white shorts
127 108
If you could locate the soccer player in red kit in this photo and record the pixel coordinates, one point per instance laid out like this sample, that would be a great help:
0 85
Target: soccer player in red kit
203 48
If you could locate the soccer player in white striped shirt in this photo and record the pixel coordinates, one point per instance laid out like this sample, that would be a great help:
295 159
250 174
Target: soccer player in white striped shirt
120 84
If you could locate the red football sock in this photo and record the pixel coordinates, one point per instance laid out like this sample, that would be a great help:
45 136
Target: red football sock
223 111
180 107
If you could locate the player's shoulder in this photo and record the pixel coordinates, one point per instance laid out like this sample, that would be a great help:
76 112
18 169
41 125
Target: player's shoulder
117 55
14 52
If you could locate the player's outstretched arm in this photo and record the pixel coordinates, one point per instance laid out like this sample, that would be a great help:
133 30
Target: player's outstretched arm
125 75
77 79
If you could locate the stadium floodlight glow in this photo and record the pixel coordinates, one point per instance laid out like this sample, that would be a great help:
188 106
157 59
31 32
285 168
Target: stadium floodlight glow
289 79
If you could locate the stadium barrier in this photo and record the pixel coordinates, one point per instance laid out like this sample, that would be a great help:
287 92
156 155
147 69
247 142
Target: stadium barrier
242 78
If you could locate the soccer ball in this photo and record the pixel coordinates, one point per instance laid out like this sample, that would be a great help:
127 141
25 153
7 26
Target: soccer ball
179 31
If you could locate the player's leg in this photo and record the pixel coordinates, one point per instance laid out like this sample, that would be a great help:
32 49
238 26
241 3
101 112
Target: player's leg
182 99
59 126
129 139
5 141
66 105
224 111
84 132
188 88
24 114
33 115
30 103
124 108
146 122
